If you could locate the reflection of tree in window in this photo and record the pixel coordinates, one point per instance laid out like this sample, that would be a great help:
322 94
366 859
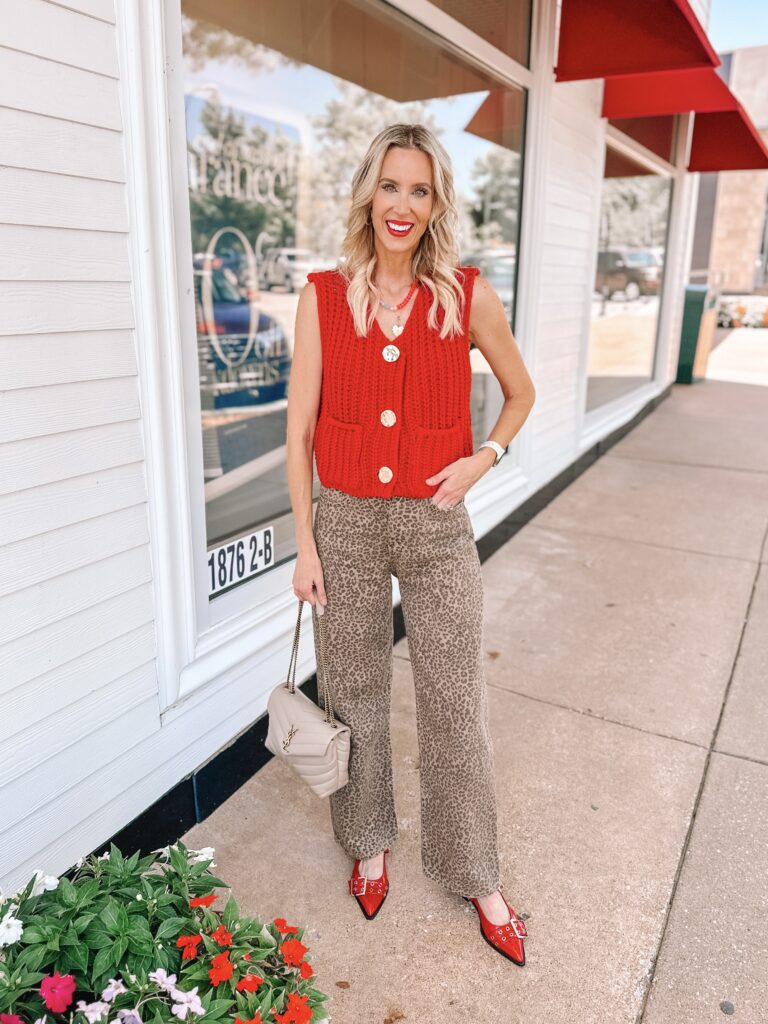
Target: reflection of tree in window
634 211
231 146
202 41
496 176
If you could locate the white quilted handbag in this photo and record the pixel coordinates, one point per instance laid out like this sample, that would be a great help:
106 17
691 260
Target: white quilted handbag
307 738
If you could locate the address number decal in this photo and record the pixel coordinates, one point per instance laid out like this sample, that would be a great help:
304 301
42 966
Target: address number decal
238 559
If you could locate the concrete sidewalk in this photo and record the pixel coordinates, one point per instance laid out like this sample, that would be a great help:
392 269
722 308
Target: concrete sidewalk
626 634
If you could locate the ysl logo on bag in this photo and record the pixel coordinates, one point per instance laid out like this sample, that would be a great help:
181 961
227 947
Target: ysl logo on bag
291 733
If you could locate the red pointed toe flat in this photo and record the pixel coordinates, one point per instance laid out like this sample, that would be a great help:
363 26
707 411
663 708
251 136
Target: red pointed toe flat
370 893
507 938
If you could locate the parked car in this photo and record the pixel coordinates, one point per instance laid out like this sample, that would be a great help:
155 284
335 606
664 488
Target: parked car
243 353
288 268
634 272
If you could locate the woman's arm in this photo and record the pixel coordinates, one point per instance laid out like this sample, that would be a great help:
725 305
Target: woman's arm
489 330
303 407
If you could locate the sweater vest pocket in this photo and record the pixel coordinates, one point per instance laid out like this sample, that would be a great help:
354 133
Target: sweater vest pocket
432 449
337 451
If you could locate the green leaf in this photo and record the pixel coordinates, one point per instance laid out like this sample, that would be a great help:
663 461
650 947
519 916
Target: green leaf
179 862
31 957
103 962
67 892
109 915
132 863
70 938
34 933
79 955
97 936
115 857
231 913
118 949
171 927
122 919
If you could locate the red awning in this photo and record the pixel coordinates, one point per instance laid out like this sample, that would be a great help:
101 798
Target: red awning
599 38
724 138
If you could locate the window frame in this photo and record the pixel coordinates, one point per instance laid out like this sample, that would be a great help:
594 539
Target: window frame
202 642
595 423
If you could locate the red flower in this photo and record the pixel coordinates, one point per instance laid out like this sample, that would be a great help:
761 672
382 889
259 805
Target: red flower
222 936
246 956
190 944
253 1020
57 991
10 1018
222 968
298 1012
203 901
249 983
305 969
283 927
293 951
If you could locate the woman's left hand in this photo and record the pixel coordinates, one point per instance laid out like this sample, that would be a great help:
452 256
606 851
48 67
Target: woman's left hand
457 477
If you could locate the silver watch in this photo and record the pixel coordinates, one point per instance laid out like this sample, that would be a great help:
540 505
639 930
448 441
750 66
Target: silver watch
500 452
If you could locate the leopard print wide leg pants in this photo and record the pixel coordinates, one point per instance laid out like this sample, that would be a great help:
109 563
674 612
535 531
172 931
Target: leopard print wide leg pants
361 543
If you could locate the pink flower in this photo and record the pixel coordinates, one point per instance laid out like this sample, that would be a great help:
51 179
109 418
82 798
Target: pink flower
10 1018
57 991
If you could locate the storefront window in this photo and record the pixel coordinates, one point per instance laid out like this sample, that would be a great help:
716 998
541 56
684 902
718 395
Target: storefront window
281 104
634 215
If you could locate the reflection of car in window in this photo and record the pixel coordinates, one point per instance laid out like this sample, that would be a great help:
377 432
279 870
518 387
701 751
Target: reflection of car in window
634 272
288 268
242 351
498 267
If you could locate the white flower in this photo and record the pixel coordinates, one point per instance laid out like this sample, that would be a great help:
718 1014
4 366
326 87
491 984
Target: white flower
104 856
139 896
11 927
186 1002
129 1016
163 979
41 1020
199 855
93 1011
114 987
43 883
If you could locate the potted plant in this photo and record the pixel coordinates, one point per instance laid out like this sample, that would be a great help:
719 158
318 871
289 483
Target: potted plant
137 940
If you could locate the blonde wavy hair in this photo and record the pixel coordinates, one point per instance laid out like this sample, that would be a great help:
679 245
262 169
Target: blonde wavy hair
435 261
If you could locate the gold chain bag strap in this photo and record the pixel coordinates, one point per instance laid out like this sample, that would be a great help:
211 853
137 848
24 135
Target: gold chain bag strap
305 736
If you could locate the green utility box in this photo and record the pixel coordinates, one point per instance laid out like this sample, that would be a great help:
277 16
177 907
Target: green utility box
699 322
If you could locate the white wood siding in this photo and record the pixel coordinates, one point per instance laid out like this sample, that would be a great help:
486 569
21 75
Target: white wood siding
78 688
574 174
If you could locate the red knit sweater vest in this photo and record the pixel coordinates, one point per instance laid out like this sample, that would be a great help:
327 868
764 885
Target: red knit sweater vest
393 411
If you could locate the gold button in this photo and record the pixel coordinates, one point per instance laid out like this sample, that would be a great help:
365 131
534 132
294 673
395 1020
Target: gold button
388 417
391 353
385 474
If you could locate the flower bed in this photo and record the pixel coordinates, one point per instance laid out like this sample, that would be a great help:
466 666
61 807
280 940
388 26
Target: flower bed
136 941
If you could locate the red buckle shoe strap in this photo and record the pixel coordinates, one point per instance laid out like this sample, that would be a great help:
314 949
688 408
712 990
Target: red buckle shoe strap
514 925
360 885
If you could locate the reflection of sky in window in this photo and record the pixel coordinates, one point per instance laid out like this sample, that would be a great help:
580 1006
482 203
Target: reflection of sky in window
290 94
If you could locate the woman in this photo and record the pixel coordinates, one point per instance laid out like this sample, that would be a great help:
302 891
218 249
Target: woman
380 394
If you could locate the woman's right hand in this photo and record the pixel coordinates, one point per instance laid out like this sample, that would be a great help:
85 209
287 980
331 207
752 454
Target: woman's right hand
308 578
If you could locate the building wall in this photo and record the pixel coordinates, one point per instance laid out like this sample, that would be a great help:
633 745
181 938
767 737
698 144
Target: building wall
573 175
77 678
740 208
84 748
